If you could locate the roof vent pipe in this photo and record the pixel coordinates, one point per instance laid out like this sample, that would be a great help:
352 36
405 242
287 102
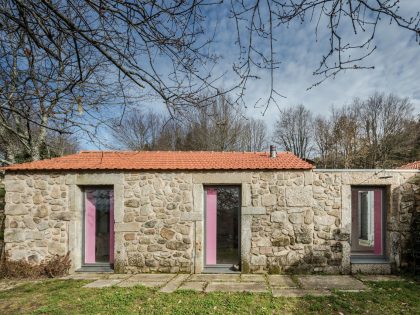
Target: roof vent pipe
273 152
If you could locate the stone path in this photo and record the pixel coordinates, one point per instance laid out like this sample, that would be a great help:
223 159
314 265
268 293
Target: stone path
277 285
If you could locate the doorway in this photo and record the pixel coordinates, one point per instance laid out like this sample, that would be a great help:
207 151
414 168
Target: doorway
99 226
368 222
222 228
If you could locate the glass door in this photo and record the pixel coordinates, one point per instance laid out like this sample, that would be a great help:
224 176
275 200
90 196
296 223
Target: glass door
222 226
368 221
99 226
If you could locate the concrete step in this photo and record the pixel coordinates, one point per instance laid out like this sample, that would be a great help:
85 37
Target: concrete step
96 268
369 268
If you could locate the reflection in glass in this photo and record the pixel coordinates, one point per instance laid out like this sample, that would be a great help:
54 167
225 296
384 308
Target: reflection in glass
102 225
367 232
366 210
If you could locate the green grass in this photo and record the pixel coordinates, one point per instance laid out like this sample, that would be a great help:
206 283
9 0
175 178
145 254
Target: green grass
68 297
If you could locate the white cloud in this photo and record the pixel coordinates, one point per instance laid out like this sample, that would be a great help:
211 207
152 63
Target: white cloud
396 61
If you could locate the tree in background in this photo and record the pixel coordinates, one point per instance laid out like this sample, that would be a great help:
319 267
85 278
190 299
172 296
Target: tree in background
132 37
43 100
254 136
293 131
323 141
137 131
379 132
346 135
385 124
48 103
61 58
212 125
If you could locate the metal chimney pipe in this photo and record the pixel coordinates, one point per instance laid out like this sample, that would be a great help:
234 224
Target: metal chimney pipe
273 151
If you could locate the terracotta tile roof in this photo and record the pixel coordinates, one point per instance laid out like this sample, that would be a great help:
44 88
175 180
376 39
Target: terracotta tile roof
166 160
411 166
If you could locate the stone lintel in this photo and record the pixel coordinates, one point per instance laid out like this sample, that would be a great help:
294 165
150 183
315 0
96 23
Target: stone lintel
191 216
99 178
127 227
222 178
253 210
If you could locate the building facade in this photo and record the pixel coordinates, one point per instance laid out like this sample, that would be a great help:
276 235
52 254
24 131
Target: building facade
209 212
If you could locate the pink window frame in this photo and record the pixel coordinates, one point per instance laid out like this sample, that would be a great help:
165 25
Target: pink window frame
379 195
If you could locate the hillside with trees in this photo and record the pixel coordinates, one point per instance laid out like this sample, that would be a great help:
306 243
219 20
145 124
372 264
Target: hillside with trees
381 131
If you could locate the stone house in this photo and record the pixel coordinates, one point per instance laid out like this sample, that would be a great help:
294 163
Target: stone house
198 212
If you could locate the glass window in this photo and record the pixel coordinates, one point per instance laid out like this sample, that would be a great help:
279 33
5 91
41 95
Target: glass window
367 237
366 214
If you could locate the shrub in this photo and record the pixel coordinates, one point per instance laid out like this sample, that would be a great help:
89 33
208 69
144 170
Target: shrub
49 268
57 266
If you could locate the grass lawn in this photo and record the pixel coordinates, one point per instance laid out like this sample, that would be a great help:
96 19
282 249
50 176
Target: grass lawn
68 297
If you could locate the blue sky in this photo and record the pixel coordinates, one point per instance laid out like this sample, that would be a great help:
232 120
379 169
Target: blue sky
396 61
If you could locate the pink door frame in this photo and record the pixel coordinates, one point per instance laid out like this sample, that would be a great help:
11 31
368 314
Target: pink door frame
90 227
111 226
211 226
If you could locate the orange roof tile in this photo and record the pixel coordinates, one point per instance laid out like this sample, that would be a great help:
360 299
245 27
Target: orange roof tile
166 160
411 166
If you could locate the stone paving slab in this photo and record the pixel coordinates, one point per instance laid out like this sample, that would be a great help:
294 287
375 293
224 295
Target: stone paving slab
193 285
174 283
280 281
236 287
102 283
88 276
331 283
119 276
132 283
379 278
253 278
149 277
277 292
215 277
281 285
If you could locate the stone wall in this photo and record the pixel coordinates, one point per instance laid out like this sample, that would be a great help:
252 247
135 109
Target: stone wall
156 202
300 231
332 191
36 216
407 199
292 221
